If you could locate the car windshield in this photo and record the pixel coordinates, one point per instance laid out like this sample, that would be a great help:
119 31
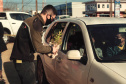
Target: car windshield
108 41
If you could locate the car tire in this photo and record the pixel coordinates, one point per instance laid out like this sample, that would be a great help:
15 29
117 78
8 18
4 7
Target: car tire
41 77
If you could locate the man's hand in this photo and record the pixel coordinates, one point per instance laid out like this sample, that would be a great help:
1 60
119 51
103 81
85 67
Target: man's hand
55 50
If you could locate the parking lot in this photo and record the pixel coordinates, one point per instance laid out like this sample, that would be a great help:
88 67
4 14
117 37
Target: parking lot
9 73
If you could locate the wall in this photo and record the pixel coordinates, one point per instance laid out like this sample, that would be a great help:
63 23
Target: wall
77 9
1 5
105 8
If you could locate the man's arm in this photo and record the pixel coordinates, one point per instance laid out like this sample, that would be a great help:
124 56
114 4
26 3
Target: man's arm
109 52
36 35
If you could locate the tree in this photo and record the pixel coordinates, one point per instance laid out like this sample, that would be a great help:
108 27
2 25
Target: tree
9 6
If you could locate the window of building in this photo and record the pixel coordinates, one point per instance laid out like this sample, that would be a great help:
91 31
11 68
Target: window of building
107 5
95 5
103 5
98 5
83 12
88 7
91 6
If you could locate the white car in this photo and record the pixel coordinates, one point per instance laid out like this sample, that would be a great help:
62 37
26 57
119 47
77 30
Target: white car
62 16
84 55
11 22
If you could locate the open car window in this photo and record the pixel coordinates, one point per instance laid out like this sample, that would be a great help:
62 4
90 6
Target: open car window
59 26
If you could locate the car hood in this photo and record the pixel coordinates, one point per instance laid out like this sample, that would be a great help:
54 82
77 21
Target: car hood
118 68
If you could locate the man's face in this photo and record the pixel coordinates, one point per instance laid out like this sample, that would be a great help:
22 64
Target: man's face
119 39
51 16
49 19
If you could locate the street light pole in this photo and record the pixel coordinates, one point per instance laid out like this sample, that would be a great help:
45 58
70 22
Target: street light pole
111 8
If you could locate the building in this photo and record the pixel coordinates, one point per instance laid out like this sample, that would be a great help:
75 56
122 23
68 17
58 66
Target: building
74 9
1 5
104 8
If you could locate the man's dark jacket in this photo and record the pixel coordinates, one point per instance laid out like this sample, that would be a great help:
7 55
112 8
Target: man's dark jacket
29 39
2 43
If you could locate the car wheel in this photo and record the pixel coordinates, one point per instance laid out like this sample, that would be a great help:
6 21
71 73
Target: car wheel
5 37
41 77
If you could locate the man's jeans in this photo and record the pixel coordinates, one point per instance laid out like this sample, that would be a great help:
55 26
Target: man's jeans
26 72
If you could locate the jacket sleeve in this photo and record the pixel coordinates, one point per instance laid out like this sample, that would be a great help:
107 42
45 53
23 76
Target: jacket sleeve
36 35
1 30
109 52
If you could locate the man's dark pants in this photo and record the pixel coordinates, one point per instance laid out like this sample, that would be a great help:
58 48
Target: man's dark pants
26 72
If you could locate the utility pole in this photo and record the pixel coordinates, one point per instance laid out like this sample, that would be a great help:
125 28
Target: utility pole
43 3
36 7
16 7
66 7
22 5
111 8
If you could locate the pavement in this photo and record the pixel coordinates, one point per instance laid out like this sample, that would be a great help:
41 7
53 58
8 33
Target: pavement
8 71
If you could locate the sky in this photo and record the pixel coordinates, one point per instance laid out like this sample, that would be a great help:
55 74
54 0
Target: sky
30 4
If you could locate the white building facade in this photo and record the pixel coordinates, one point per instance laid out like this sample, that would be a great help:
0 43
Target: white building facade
74 9
102 8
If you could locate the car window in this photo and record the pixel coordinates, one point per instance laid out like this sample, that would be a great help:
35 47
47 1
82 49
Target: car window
25 16
55 29
19 16
16 16
3 16
108 41
73 39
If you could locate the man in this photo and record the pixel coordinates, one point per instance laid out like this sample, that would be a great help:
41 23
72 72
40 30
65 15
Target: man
2 48
25 45
119 45
98 50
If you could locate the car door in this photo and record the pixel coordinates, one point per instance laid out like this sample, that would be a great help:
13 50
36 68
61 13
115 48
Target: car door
72 71
48 61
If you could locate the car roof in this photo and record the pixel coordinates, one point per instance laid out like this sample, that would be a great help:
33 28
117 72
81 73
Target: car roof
96 20
13 12
62 15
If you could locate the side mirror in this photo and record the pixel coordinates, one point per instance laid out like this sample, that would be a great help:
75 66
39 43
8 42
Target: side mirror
74 55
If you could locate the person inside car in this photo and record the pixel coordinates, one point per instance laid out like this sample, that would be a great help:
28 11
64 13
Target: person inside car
119 45
97 49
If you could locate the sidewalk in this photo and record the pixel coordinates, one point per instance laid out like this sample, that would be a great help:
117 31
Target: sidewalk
8 71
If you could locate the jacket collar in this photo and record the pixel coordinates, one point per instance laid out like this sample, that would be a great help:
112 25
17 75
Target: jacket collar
40 18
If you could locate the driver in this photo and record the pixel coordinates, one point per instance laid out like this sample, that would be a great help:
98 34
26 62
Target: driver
119 45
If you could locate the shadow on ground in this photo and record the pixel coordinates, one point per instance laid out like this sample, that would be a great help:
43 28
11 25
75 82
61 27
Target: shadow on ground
11 73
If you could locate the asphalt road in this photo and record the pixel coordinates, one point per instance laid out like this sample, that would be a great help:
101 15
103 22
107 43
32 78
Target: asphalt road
9 73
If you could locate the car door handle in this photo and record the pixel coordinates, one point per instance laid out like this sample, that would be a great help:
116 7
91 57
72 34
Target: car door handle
13 23
59 59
